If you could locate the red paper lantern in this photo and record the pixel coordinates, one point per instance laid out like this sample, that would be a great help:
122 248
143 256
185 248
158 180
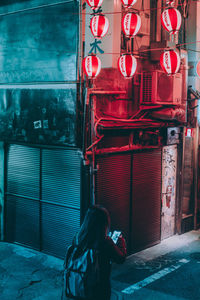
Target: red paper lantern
91 66
128 3
94 4
131 24
170 2
171 19
198 68
127 65
170 61
99 26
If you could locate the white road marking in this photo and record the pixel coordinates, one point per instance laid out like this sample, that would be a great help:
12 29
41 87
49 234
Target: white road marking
131 289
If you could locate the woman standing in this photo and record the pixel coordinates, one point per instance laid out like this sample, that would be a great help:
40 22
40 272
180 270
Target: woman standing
93 235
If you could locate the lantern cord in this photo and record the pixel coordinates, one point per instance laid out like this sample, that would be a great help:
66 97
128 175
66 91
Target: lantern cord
83 12
132 9
193 50
109 53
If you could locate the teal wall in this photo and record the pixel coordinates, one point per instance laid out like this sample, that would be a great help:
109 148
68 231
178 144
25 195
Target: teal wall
39 44
38 72
1 188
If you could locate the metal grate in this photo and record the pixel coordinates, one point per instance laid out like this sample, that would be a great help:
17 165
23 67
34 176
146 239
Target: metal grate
147 88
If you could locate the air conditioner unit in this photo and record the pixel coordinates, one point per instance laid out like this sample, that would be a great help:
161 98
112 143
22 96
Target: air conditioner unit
159 88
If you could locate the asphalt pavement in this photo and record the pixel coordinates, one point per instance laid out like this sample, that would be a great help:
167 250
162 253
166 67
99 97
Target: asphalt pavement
169 270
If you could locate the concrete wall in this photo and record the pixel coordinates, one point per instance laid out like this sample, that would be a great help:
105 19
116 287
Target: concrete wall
10 6
39 44
39 77
1 189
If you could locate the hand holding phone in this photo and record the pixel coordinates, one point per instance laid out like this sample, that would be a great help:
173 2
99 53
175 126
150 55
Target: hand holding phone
115 236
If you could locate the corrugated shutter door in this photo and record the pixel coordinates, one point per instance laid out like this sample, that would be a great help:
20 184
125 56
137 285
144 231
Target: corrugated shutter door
61 177
23 171
113 188
61 180
146 191
59 224
22 205
22 221
43 197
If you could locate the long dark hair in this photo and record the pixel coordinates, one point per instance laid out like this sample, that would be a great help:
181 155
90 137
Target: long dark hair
93 229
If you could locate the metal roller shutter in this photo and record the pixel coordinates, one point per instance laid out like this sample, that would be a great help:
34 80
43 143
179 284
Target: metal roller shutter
43 197
146 214
61 180
23 166
22 201
113 189
22 221
59 224
61 177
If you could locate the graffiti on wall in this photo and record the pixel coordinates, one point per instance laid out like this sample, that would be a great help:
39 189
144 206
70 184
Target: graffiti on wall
169 166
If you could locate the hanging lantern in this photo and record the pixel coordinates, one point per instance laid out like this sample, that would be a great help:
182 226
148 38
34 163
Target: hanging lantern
127 65
171 20
99 26
131 24
198 68
128 3
170 61
170 2
91 66
94 4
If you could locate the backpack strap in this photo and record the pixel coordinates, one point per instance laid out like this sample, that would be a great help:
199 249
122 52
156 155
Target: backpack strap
68 254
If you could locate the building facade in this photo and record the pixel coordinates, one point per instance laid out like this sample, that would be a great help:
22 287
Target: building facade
68 141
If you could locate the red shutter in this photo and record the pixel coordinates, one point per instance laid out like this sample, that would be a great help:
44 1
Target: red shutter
113 189
146 195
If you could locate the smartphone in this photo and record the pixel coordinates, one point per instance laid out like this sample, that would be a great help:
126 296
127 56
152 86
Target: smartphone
115 236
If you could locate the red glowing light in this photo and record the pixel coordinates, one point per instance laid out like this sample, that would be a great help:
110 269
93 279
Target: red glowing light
128 3
198 68
91 66
127 65
171 19
99 25
188 132
170 61
131 24
94 4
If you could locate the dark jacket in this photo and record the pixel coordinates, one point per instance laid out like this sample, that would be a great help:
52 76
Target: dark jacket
109 253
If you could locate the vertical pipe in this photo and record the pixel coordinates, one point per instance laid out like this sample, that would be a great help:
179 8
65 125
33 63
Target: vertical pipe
180 190
158 20
153 21
2 163
130 242
178 208
40 201
195 175
5 188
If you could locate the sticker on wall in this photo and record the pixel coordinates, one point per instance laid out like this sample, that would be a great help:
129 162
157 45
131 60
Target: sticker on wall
37 124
